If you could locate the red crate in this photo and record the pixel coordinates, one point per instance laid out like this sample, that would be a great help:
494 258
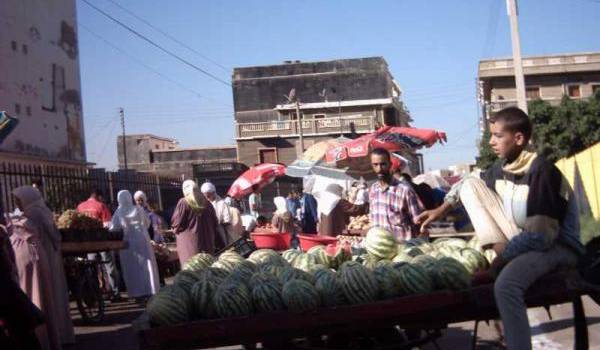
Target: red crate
309 241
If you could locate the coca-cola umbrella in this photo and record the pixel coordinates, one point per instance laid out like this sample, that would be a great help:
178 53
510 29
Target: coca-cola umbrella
313 157
355 154
260 175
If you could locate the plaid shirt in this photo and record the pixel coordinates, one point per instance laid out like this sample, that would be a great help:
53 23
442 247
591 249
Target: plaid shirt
394 209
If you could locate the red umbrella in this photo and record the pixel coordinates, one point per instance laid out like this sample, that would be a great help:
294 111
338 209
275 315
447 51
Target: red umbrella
260 175
391 138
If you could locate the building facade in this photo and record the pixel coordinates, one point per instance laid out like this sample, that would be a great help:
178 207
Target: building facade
162 156
549 78
340 97
40 82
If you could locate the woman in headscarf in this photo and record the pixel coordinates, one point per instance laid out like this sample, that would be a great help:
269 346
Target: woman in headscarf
334 211
138 263
282 221
36 242
141 200
194 222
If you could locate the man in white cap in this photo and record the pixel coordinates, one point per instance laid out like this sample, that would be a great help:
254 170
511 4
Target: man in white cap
223 214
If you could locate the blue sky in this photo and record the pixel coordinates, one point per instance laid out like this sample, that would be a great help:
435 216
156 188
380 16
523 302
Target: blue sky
432 48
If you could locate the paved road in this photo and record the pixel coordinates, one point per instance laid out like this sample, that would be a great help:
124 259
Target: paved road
115 331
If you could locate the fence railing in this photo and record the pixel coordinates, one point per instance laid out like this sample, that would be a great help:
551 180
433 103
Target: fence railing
63 188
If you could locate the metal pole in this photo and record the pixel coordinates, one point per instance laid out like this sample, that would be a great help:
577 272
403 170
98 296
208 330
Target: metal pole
122 113
511 7
340 117
299 117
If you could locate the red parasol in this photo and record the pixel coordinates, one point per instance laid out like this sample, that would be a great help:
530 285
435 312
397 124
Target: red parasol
260 175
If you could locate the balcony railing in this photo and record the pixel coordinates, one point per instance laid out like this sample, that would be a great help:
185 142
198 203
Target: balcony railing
321 126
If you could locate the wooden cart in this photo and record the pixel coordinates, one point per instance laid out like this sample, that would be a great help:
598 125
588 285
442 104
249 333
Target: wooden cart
431 312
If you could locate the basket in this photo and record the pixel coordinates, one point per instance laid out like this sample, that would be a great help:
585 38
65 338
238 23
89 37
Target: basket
309 241
271 240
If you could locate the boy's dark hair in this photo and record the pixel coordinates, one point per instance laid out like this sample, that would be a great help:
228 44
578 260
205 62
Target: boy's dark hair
515 120
261 220
382 152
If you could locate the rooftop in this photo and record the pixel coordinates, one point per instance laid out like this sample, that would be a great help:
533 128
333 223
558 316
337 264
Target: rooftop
207 148
150 136
538 65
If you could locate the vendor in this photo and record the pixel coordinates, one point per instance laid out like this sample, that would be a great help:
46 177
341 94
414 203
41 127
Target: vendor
393 205
334 211
282 221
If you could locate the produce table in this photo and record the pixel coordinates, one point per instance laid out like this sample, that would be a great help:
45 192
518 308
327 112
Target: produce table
431 311
91 246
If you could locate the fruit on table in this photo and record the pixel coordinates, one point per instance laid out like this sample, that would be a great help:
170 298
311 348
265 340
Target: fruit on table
359 222
381 243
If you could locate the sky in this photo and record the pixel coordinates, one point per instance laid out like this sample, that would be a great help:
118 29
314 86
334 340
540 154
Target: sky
432 48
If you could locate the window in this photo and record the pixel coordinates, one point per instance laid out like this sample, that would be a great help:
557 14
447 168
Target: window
319 116
24 49
17 108
28 110
13 45
595 88
532 93
574 91
267 155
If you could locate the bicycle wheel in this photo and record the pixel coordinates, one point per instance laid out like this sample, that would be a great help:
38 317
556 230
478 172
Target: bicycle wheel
89 297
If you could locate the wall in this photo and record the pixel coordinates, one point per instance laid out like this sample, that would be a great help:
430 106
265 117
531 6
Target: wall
39 78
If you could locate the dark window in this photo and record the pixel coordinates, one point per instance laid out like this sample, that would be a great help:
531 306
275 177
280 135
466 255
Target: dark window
533 93
13 45
267 155
319 116
24 49
28 110
17 108
574 91
595 88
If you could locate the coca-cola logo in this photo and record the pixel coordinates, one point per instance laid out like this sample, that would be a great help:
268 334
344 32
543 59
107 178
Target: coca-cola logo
337 153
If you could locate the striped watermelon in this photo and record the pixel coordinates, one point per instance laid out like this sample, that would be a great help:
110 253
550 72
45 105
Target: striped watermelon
170 306
402 257
186 280
388 281
384 262
451 242
425 261
313 270
266 293
202 295
473 260
338 254
304 261
300 296
414 279
413 251
217 273
381 243
320 254
243 271
274 270
198 262
490 255
292 273
358 283
329 288
232 300
370 261
474 243
266 257
451 274
232 257
290 255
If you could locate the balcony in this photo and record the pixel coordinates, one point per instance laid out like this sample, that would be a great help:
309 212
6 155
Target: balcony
310 127
496 106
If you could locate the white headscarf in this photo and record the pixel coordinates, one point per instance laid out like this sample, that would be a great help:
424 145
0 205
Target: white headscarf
208 187
194 198
126 208
328 199
36 210
140 194
281 205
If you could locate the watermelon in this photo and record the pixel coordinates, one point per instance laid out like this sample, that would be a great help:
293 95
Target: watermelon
266 257
381 243
417 242
413 251
290 255
315 268
232 257
266 293
186 280
414 279
451 274
202 295
490 255
329 288
451 242
292 273
338 254
402 257
217 273
198 262
358 283
474 243
473 260
300 295
232 300
320 272
274 270
388 280
170 306
384 262
370 261
304 261
425 261
227 265
320 254
243 271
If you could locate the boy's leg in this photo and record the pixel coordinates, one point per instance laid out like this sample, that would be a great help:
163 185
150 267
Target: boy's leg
486 212
514 280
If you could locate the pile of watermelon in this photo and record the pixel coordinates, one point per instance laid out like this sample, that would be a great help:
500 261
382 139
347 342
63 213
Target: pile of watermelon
324 276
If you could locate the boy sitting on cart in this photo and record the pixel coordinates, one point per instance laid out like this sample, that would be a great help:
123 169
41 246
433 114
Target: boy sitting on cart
524 209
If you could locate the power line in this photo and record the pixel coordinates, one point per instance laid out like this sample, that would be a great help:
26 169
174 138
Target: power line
143 37
146 22
136 60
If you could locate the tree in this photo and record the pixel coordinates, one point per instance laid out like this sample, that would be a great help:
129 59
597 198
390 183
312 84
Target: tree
487 157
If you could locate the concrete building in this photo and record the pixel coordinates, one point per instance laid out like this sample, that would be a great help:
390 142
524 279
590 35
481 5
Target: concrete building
338 97
162 156
40 83
549 78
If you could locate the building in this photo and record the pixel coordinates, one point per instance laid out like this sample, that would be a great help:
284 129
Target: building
549 78
40 83
162 156
339 97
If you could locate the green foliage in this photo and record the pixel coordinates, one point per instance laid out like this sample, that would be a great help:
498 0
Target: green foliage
590 228
486 155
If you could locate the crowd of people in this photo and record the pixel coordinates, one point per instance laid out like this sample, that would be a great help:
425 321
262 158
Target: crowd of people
521 207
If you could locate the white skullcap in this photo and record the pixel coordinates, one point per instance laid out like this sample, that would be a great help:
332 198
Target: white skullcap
208 187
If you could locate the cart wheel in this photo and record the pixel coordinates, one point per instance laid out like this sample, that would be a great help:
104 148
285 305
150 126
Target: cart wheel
89 296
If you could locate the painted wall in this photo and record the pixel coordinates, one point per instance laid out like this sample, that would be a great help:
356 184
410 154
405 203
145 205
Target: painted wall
39 78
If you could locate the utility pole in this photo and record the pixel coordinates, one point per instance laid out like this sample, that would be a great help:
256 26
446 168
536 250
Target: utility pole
513 13
299 117
122 113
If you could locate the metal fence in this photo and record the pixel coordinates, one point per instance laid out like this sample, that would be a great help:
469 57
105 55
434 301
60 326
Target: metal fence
63 188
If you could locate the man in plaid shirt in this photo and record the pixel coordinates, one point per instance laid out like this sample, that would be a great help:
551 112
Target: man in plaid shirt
393 205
